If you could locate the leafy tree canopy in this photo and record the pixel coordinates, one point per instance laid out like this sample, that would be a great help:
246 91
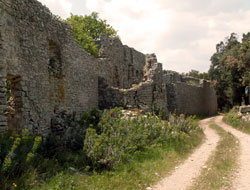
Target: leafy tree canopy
87 29
229 70
197 74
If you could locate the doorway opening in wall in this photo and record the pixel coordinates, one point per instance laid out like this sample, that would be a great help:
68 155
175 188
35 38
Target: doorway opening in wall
14 103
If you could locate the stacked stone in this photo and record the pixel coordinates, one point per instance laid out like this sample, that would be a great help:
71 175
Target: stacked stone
3 118
245 109
15 105
3 102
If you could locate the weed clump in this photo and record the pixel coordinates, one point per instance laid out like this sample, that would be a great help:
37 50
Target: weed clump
99 141
235 119
115 138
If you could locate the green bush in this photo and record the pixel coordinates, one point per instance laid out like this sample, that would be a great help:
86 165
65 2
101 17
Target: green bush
99 140
119 137
234 119
17 154
72 139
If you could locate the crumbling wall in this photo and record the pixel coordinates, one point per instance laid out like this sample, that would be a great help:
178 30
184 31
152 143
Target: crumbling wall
210 98
54 73
45 75
188 95
120 65
148 94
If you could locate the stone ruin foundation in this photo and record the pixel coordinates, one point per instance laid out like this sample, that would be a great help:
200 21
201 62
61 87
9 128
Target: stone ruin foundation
45 76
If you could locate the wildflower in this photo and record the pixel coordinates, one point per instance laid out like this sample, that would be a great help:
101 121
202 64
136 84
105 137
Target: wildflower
15 185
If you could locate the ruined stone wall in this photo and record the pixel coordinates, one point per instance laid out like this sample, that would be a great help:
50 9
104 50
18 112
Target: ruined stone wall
149 93
120 65
46 70
152 88
210 98
188 95
45 75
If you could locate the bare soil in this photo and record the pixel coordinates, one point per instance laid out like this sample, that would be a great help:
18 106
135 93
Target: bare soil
183 176
242 179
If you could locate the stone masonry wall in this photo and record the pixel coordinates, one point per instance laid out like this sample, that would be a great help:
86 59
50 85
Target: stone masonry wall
149 93
120 65
46 70
188 95
45 76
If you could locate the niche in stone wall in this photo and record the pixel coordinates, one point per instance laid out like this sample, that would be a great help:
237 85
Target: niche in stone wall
55 60
56 78
14 107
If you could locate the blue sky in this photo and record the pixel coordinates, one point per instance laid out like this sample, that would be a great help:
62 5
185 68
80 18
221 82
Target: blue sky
182 33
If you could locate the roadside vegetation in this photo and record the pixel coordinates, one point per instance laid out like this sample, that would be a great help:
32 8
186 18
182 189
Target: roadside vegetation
229 71
110 151
219 169
235 120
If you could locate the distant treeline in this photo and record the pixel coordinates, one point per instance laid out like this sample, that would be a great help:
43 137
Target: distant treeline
229 71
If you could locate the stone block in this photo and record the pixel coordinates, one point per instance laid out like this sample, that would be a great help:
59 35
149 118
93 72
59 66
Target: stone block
3 118
3 123
244 109
2 83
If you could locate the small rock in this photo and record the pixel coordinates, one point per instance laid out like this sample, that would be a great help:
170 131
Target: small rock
72 169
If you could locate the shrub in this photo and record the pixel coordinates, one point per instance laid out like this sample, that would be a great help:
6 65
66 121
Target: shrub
236 120
100 140
17 154
71 139
115 137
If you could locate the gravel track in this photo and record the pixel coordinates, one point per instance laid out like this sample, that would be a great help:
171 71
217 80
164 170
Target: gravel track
183 176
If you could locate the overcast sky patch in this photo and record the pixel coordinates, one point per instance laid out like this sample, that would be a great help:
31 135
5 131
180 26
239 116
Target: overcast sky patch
182 33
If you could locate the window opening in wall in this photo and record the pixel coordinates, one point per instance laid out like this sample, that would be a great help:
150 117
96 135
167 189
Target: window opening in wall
55 60
14 102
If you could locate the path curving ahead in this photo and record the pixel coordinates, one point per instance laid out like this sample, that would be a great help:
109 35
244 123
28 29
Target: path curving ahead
242 180
182 177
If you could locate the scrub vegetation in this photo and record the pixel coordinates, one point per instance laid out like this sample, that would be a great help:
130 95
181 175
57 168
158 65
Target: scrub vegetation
111 151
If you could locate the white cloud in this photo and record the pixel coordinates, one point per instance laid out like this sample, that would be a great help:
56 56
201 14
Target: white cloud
182 33
59 7
92 5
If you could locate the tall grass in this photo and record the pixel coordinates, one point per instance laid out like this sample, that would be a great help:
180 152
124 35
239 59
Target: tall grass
112 151
235 120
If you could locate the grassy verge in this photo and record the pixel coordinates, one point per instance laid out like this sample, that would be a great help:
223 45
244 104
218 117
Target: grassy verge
104 150
232 118
144 169
218 172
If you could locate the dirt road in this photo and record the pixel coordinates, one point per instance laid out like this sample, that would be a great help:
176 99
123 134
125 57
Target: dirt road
183 176
242 180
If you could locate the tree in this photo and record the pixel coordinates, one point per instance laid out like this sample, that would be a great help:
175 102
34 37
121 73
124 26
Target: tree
245 58
87 29
197 74
226 70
